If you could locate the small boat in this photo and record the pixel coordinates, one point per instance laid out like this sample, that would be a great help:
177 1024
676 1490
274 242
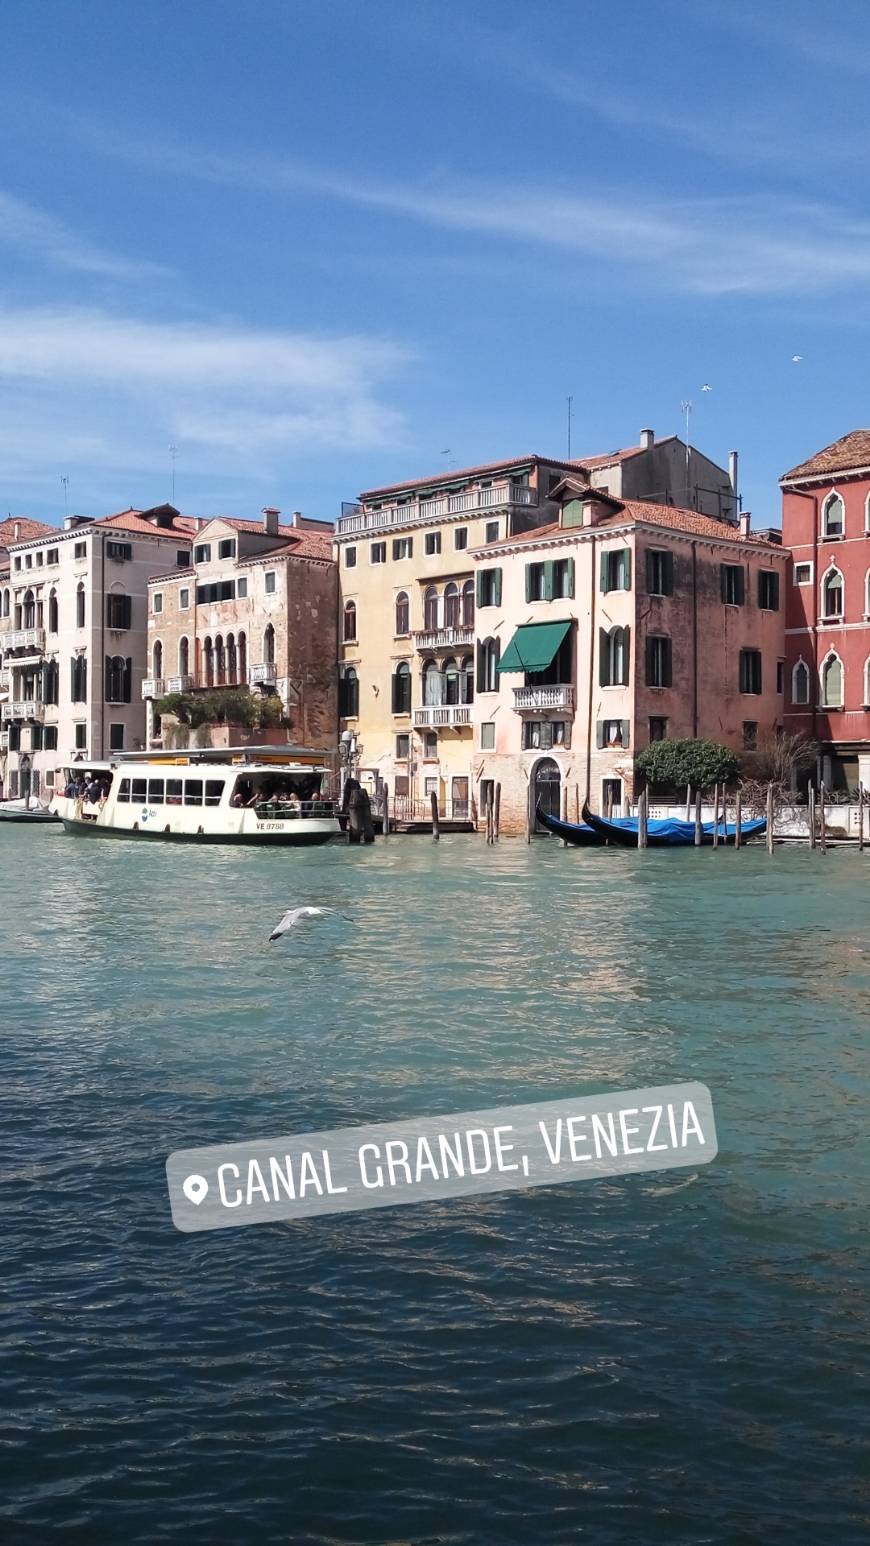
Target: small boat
669 832
20 810
578 833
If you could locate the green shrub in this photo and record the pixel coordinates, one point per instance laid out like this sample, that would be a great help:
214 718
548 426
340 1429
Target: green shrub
678 763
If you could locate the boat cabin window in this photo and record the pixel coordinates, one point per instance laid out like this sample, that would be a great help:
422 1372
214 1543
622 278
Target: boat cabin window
140 787
193 791
173 791
214 788
155 791
124 791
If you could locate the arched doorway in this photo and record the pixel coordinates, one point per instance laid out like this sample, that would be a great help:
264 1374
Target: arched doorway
546 791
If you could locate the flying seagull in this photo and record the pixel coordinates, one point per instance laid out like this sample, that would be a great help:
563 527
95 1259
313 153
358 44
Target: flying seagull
706 387
796 359
295 915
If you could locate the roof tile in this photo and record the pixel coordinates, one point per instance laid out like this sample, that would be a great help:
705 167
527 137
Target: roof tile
844 455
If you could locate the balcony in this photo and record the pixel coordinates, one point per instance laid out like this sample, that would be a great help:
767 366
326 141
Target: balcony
4 740
263 675
443 638
24 639
4 678
23 708
153 687
467 502
178 683
442 716
560 696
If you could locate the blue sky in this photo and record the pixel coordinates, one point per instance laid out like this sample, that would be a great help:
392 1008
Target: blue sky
323 244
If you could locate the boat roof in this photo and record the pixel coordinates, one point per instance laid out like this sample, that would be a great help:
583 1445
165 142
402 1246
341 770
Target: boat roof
304 756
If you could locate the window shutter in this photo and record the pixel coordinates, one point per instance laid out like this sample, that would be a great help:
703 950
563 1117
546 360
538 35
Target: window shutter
569 587
480 682
603 658
599 734
548 580
625 729
774 591
668 585
741 586
626 655
72 679
650 577
723 581
528 582
546 735
479 587
128 679
626 569
650 647
107 685
667 673
567 735
496 651
603 585
395 692
496 587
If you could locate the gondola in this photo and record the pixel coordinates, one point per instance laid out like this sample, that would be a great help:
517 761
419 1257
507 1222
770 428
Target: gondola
579 834
667 833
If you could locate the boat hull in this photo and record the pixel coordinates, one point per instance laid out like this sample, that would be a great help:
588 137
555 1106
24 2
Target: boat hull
282 839
669 834
573 832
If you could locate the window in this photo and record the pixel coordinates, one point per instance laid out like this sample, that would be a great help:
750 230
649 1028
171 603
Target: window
124 792
780 676
157 660
430 786
184 598
52 556
193 791
460 537
536 582
80 550
350 558
750 735
157 601
832 594
227 547
348 694
450 677
118 679
612 732
349 621
80 605
488 652
659 572
17 564
119 551
563 578
430 746
81 737
119 610
658 728
489 587
542 734
215 590
658 660
802 574
430 608
184 657
750 671
833 516
182 558
403 748
174 787
491 534
79 679
832 683
202 553
156 791
768 590
800 683
613 657
432 543
402 688
732 581
378 552
269 582
242 587
116 738
49 738
214 788
403 613
616 570
451 605
468 604
487 736
40 558
52 612
269 645
403 547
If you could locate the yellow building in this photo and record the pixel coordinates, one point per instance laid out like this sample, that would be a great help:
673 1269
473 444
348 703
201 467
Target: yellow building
407 666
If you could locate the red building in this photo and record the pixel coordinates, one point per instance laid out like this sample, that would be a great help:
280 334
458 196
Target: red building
826 524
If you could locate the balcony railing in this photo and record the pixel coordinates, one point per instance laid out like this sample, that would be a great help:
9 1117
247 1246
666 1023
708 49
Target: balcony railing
4 740
442 638
442 715
358 519
23 639
4 678
23 708
556 697
263 675
153 687
179 683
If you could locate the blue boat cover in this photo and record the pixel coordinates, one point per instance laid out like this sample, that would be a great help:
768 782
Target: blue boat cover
672 830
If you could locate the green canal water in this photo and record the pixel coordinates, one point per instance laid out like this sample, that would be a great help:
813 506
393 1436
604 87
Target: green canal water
671 1357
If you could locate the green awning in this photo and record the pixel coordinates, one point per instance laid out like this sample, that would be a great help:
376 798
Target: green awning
533 647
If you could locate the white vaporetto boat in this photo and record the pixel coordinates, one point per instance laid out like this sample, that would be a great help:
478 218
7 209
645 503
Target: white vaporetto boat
251 795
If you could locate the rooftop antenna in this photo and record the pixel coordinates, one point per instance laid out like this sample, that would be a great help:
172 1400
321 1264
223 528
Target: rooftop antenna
448 452
65 482
687 409
570 402
173 452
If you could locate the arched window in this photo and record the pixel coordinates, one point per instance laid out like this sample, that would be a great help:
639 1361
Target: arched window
833 516
832 682
232 660
79 679
348 694
432 684
220 665
402 688
208 662
269 645
451 680
488 653
867 681
6 600
80 604
832 594
117 679
52 611
451 606
430 608
403 613
468 604
29 612
349 621
466 679
157 660
800 683
243 657
613 657
184 656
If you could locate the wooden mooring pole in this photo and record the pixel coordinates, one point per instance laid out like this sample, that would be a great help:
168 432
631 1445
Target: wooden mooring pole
698 833
715 815
823 830
738 812
860 818
770 818
577 803
811 815
496 819
642 817
436 821
386 810
563 810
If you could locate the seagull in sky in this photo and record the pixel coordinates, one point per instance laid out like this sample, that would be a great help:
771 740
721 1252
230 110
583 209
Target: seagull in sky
706 387
796 359
294 916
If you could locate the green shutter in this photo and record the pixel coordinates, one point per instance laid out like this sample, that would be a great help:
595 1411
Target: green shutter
626 655
480 682
496 588
528 582
570 585
603 658
548 579
603 583
479 588
626 568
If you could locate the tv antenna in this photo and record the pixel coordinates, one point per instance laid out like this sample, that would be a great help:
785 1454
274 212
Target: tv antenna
65 482
173 452
687 409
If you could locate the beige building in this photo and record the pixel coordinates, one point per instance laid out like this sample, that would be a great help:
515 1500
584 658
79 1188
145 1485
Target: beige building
621 623
73 639
255 607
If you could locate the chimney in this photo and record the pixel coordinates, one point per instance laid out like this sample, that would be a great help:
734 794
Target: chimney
647 439
744 522
17 530
732 472
270 520
297 518
73 522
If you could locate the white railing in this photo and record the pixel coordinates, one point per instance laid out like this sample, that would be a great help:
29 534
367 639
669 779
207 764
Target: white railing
179 683
4 740
153 687
263 675
443 714
495 497
23 708
558 697
4 677
24 638
442 638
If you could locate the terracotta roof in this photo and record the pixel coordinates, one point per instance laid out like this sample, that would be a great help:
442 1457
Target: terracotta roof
453 474
132 520
609 458
299 544
850 451
27 530
637 510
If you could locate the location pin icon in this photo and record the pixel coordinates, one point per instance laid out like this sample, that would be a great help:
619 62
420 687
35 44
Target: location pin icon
195 1188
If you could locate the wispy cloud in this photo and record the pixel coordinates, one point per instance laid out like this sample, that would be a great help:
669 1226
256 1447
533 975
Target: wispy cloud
26 229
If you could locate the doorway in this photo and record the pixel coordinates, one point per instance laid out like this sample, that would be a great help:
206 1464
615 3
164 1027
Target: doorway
546 791
460 799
